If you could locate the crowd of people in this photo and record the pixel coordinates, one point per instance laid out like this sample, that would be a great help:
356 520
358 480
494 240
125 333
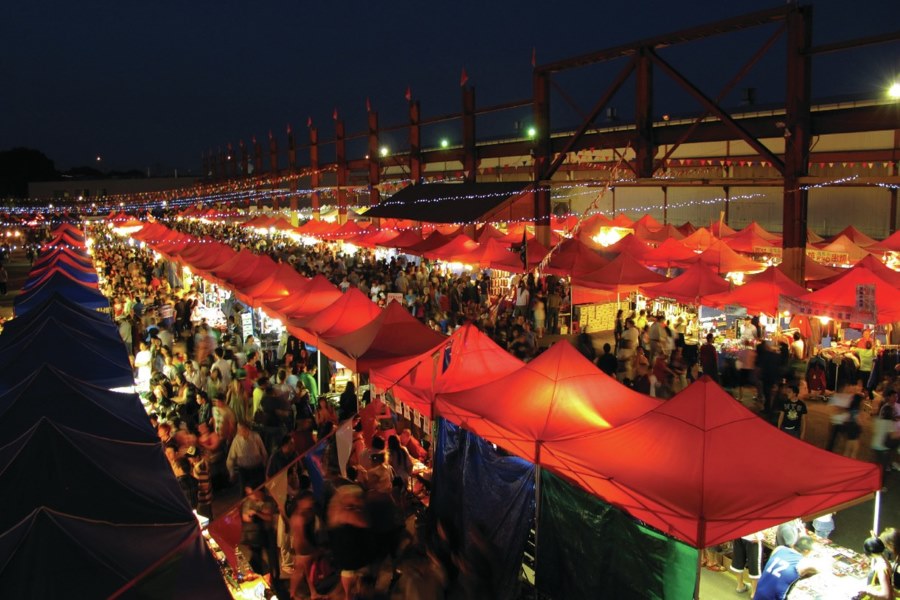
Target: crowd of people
229 413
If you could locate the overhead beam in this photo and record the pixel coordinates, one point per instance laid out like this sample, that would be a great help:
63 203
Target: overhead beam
714 108
756 19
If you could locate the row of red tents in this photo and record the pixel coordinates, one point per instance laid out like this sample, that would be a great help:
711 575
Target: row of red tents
348 327
562 413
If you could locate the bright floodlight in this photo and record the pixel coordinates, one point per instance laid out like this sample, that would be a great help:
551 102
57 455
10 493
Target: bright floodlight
384 150
444 143
894 91
532 132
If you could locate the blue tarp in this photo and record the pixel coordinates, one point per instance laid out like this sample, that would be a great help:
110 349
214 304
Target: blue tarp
487 501
60 284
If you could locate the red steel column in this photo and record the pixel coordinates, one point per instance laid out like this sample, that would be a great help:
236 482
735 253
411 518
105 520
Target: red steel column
340 158
374 160
644 144
470 157
797 141
541 154
314 176
416 167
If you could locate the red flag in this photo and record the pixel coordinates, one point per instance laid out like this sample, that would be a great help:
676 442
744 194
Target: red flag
309 121
408 94
334 115
463 78
289 129
368 105
533 57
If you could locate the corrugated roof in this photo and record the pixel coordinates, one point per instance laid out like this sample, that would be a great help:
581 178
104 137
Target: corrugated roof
447 202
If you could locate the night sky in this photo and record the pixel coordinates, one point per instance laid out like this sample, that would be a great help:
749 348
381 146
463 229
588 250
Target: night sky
155 84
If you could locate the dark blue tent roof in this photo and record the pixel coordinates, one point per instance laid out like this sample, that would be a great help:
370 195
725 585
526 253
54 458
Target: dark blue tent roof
103 362
73 272
93 477
97 559
83 327
60 284
48 392
64 310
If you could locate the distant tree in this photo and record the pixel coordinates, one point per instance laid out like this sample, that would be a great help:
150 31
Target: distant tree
19 166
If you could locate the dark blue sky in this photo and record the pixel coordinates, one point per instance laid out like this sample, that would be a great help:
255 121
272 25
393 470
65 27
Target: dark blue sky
157 83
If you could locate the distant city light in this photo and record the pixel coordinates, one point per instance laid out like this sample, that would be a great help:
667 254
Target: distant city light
894 91
445 143
532 132
384 151
98 158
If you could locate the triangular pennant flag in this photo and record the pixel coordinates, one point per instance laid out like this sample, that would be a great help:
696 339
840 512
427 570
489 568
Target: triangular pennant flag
368 105
289 129
309 121
408 94
334 115
463 78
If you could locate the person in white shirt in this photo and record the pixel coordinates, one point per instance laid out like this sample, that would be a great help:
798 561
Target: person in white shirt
247 458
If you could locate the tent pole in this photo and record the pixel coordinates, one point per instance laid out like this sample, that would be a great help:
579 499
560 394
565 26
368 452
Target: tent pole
537 509
877 512
356 385
699 573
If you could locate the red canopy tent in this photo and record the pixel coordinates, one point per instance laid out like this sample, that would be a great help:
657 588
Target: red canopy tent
690 287
592 225
62 258
699 239
373 237
869 262
844 245
73 256
261 221
496 254
314 295
892 242
623 274
574 258
630 245
839 300
670 253
687 228
244 270
559 395
751 239
720 229
435 240
474 361
404 240
725 260
647 222
814 271
461 245
347 313
278 284
856 236
392 336
759 295
346 231
657 235
205 256
487 232
683 477
282 224
622 220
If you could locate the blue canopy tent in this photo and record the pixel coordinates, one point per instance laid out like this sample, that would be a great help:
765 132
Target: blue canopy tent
72 403
75 273
62 309
86 328
103 362
60 284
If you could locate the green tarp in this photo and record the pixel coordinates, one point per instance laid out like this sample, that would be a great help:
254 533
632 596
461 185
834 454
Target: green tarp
589 549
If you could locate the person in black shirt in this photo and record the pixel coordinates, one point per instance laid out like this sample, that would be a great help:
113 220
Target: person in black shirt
607 361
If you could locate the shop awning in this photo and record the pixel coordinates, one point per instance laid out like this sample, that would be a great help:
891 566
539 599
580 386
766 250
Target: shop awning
860 296
458 202
869 262
347 313
307 299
